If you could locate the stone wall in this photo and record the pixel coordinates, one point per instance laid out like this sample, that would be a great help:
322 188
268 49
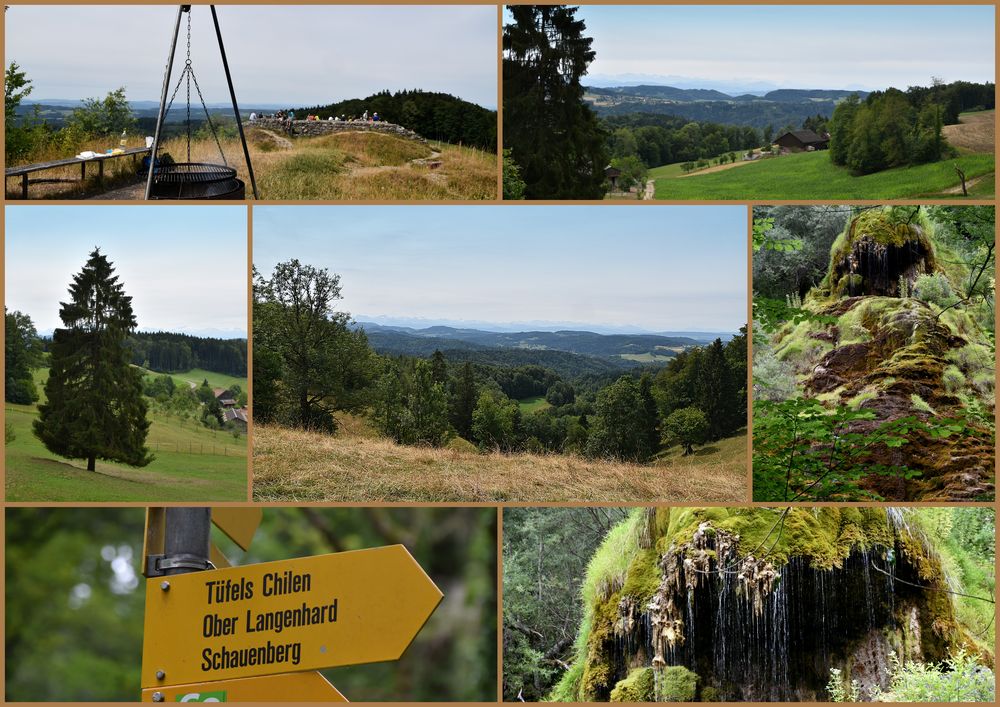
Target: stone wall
328 127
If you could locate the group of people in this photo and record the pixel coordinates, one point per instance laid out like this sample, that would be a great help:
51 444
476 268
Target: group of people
287 117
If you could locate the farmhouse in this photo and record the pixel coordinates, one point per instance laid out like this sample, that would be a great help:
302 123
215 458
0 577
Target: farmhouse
237 416
802 140
612 173
225 397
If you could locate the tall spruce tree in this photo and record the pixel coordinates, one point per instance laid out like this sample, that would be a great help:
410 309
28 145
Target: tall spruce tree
553 136
94 406
463 401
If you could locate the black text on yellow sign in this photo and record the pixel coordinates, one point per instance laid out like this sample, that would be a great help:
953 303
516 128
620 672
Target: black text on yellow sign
304 614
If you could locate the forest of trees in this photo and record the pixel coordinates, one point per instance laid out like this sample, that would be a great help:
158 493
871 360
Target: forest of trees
25 134
553 137
166 352
665 139
894 128
311 364
22 354
436 116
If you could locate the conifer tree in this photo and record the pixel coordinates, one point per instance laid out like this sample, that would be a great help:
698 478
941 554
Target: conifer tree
463 401
94 405
553 136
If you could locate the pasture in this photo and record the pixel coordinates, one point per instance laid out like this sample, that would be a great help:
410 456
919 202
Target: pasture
193 463
811 175
530 405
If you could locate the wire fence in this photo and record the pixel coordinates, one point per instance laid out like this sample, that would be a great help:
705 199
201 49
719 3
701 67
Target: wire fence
219 450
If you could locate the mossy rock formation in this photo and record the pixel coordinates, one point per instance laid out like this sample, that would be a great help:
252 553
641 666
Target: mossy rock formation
760 604
869 347
876 253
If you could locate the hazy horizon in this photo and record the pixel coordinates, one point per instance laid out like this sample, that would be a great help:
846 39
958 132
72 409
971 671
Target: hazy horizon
185 269
644 269
299 55
390 320
761 47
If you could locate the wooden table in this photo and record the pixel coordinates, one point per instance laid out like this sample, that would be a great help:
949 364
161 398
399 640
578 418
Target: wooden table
27 169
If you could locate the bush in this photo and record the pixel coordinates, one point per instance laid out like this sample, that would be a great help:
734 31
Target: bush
677 684
637 687
934 289
961 678
21 391
773 379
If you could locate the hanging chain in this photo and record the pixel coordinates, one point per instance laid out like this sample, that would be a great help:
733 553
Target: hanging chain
187 74
187 70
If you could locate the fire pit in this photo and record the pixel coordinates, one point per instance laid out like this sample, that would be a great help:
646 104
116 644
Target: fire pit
196 180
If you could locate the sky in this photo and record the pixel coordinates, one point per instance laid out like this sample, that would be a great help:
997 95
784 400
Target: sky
764 47
185 267
621 268
299 55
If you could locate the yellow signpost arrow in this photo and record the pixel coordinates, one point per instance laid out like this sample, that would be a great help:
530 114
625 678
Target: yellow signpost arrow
295 615
239 524
289 687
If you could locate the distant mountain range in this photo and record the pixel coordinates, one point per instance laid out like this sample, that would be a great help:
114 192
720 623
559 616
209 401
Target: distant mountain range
55 110
634 347
780 107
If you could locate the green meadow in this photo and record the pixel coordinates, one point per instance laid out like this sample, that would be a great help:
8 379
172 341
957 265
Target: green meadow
811 175
193 463
530 405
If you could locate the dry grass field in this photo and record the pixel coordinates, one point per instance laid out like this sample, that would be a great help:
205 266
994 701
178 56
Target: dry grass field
347 166
354 466
976 132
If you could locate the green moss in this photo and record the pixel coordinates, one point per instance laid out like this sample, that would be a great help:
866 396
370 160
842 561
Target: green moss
920 405
643 578
608 568
799 344
568 687
953 379
825 535
973 359
869 393
677 684
889 226
637 687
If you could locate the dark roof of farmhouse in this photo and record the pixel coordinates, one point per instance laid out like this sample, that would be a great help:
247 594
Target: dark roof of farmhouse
804 136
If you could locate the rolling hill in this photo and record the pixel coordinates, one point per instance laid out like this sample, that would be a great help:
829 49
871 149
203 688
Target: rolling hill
568 353
776 108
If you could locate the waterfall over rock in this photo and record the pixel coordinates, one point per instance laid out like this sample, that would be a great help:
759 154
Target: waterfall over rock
760 604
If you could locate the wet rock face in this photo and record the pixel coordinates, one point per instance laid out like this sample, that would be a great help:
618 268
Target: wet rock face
752 630
872 268
877 255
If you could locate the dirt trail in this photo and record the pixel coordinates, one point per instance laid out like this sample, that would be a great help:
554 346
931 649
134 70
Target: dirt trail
283 142
716 168
969 183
